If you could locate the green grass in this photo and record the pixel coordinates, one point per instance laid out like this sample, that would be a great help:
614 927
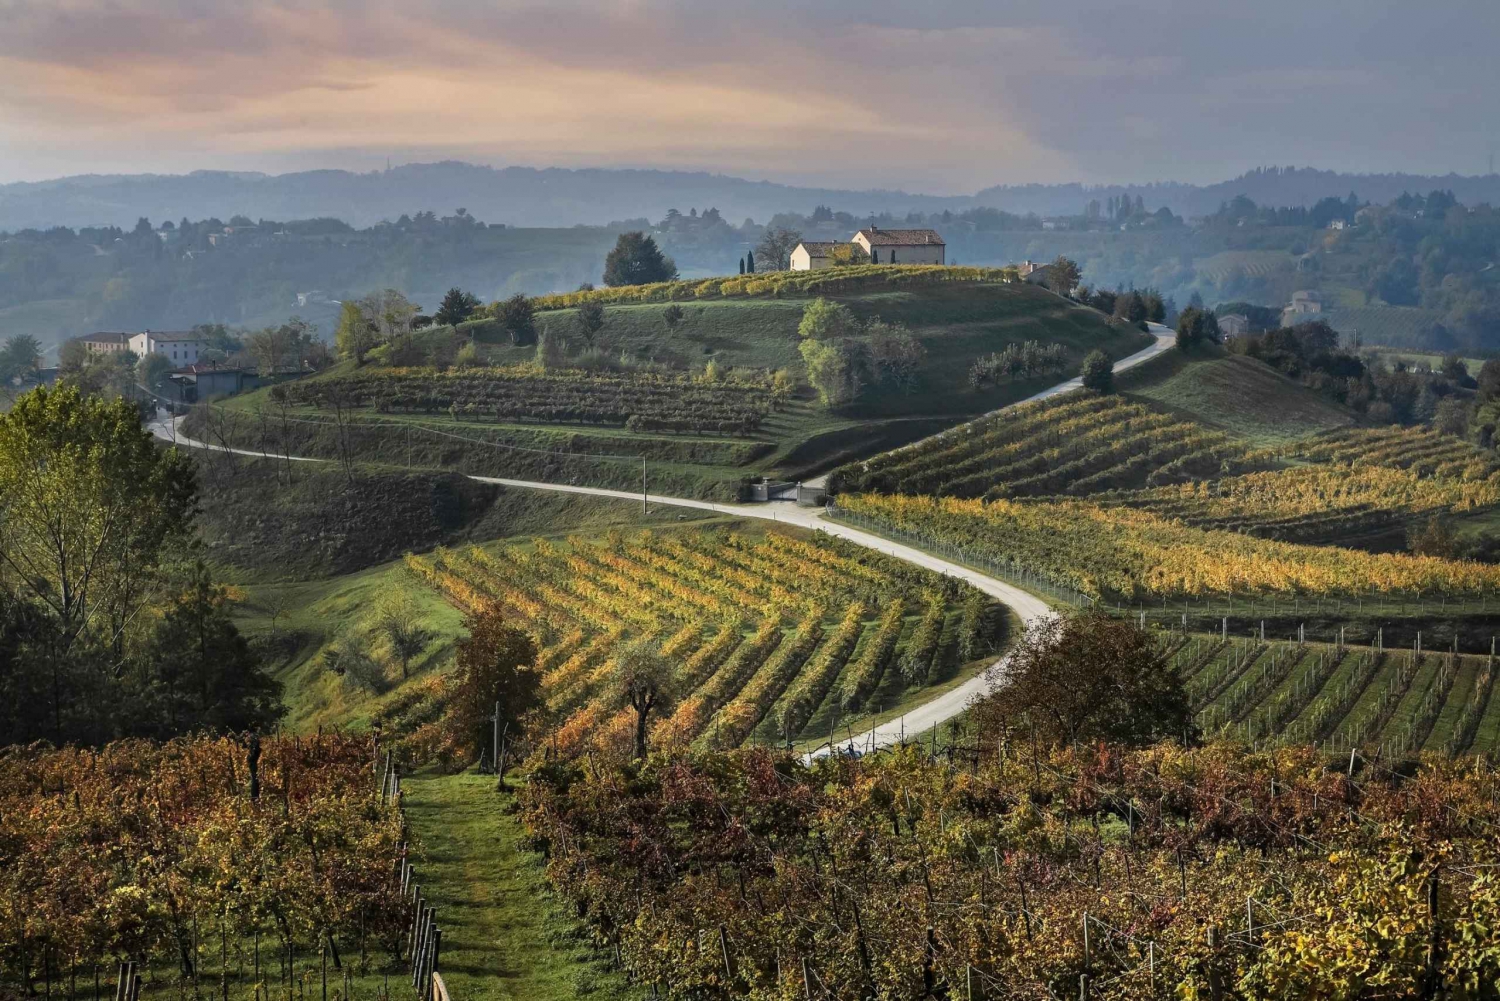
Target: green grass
955 323
504 934
1241 396
312 615
1458 697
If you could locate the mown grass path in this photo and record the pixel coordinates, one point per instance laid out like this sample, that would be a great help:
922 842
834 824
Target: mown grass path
504 935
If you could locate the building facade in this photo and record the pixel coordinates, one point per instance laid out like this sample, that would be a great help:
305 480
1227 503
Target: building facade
103 342
880 246
812 255
181 348
902 246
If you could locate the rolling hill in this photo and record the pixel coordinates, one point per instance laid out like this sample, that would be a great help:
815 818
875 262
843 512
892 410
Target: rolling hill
469 421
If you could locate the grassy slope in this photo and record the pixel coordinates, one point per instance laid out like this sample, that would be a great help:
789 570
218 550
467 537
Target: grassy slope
316 613
504 935
1239 395
322 524
955 322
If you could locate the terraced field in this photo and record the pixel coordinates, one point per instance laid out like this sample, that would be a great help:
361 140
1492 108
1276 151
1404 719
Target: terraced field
1253 263
1424 451
1394 702
1331 502
1077 444
769 632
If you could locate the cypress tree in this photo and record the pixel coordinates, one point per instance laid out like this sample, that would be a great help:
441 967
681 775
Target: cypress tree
750 263
742 265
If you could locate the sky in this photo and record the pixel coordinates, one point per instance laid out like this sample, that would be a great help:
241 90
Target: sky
933 96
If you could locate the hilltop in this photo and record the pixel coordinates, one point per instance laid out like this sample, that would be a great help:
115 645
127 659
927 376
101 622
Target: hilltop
700 400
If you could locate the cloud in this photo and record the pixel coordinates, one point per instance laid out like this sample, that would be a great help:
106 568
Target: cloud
939 96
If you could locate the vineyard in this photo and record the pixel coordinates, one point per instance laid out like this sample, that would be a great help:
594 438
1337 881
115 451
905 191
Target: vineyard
1313 503
775 636
1393 703
1426 452
1078 444
637 401
201 860
776 284
1122 554
1000 871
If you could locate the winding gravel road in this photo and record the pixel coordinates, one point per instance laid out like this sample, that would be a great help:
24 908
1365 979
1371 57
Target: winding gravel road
938 710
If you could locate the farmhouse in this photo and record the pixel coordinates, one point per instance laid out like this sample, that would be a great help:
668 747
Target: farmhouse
813 255
902 246
103 342
883 246
1304 304
180 346
1036 274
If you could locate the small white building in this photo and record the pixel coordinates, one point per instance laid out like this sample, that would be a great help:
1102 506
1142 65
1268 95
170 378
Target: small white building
1234 325
881 246
813 255
902 246
180 347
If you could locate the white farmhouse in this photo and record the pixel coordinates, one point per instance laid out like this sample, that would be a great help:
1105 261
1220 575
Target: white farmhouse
902 246
182 347
813 255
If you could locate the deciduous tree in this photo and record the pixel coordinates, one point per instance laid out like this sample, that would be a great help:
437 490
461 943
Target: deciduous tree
518 316
775 248
495 666
88 504
399 619
1088 676
1063 275
647 682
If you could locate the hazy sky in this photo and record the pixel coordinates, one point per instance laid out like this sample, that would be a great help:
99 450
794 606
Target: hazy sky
924 94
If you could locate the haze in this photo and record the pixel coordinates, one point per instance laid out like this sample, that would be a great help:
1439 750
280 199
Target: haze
940 97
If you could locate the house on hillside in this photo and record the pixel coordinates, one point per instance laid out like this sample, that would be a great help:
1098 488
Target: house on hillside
902 246
105 342
813 255
1036 274
1305 305
181 347
1234 325
883 246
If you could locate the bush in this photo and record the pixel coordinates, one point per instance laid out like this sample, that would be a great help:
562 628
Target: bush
1098 372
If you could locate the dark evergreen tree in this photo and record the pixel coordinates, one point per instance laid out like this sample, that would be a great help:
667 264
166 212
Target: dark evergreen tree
750 262
742 265
637 260
457 307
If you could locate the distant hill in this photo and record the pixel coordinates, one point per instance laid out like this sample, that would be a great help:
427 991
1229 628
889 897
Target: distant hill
525 196
1275 186
518 196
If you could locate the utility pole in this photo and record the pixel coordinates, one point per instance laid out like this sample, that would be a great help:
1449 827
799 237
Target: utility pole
643 485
